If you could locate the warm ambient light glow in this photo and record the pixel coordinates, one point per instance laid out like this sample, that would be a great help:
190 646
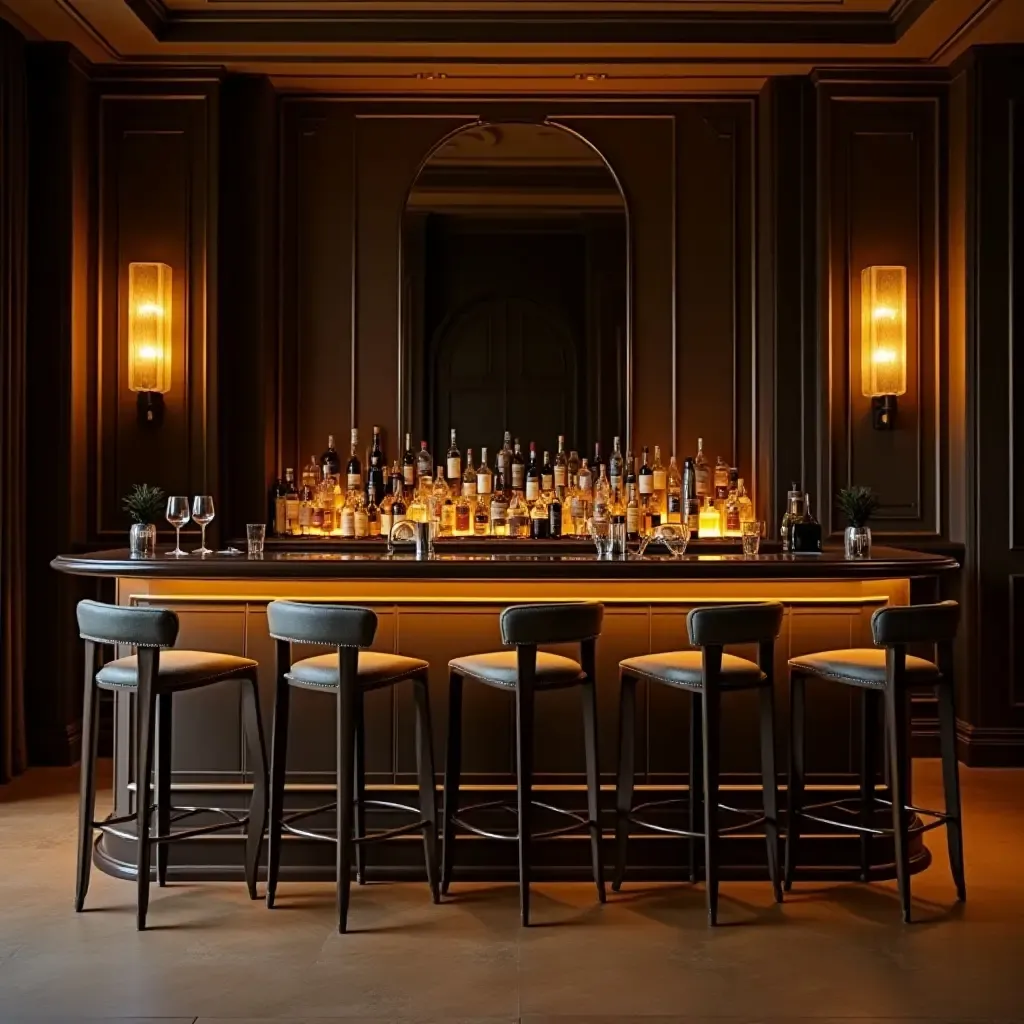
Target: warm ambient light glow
149 327
883 331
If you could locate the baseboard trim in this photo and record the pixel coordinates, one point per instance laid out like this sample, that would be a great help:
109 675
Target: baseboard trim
990 746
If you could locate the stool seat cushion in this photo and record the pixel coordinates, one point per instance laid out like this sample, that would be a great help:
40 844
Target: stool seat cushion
375 669
179 670
860 666
685 668
501 668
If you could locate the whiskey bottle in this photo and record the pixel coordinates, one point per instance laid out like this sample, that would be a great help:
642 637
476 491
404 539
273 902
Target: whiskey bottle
518 468
598 462
360 517
499 506
518 516
409 464
555 516
805 532
540 526
376 470
482 517
746 505
354 471
732 515
702 474
469 478
398 507
632 514
573 466
710 523
659 481
794 511
347 518
484 479
532 475
386 514
602 497
463 525
307 497
372 519
615 468
547 476
503 460
397 475
275 508
691 503
721 486
453 462
674 493
424 463
645 478
561 469
291 504
330 462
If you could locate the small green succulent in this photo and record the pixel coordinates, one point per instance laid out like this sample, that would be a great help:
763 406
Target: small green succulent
145 504
858 504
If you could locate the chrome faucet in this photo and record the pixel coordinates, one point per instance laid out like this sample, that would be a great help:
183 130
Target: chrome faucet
421 533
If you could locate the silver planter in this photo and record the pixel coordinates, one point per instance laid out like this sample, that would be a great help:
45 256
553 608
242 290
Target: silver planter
857 542
142 540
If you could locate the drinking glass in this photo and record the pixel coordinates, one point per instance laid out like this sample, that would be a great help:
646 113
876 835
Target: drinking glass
752 537
202 513
178 515
255 533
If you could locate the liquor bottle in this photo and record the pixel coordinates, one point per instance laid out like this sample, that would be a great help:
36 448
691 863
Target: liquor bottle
397 474
372 519
347 518
398 507
330 461
360 518
629 480
499 506
573 466
650 515
555 515
375 473
746 505
598 462
732 516
291 504
615 468
794 511
805 532
645 479
518 515
702 473
354 471
416 511
463 526
691 503
386 514
503 461
316 516
275 507
532 474
632 513
453 461
617 523
582 499
484 480
561 469
307 497
674 493
518 468
602 496
469 478
482 517
540 527
710 524
547 475
409 464
424 462
443 507
659 481
721 483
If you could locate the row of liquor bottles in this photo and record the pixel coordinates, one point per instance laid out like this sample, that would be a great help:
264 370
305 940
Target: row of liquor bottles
538 496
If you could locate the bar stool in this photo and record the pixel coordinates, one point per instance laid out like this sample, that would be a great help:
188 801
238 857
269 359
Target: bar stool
886 677
706 674
348 674
155 675
526 672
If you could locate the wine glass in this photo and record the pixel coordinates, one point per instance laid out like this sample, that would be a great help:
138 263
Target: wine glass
178 515
202 513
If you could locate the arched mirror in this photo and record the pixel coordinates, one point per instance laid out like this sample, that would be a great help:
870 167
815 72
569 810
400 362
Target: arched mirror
515 292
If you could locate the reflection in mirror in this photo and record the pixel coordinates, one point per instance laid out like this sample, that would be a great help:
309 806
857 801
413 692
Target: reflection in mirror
515 293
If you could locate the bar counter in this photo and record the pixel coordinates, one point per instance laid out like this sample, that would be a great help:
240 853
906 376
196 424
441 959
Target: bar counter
447 606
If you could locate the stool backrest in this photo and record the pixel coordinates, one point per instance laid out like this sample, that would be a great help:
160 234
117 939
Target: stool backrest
568 623
721 624
115 624
333 625
919 623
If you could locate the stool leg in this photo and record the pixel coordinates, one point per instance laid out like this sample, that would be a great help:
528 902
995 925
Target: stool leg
346 789
145 724
87 794
360 774
711 709
951 785
452 772
868 759
278 766
795 780
770 787
593 783
428 794
896 713
624 783
696 783
524 789
257 826
163 783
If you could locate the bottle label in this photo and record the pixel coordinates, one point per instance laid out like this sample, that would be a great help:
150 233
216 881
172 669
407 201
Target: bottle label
660 477
375 527
462 518
469 488
646 483
348 523
518 472
305 515
447 516
498 510
360 523
560 472
355 481
732 519
454 469
674 504
632 519
532 489
577 507
386 523
547 481
616 482
397 517
483 483
409 475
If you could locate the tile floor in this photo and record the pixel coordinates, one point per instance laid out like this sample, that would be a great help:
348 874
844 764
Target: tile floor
832 952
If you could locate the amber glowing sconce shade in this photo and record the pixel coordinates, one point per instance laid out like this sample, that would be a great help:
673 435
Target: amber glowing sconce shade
149 337
883 340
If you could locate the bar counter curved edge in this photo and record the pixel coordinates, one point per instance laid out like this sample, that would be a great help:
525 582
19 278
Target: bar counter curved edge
447 606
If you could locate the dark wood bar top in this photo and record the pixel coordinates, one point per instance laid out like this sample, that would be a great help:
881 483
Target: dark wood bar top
451 565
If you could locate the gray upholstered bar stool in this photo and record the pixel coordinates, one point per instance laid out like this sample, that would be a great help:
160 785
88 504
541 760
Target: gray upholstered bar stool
885 675
348 673
706 674
525 672
155 675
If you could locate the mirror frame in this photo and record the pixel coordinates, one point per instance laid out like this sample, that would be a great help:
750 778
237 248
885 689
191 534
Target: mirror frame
404 373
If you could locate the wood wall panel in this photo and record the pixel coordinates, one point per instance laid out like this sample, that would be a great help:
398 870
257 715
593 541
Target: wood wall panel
881 189
157 166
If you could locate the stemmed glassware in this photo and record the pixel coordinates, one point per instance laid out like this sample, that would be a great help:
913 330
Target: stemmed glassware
178 515
202 513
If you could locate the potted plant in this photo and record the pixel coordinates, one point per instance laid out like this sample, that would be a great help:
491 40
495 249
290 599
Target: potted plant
145 505
858 504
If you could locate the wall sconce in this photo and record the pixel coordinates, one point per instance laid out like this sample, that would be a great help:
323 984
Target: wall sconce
149 337
883 340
